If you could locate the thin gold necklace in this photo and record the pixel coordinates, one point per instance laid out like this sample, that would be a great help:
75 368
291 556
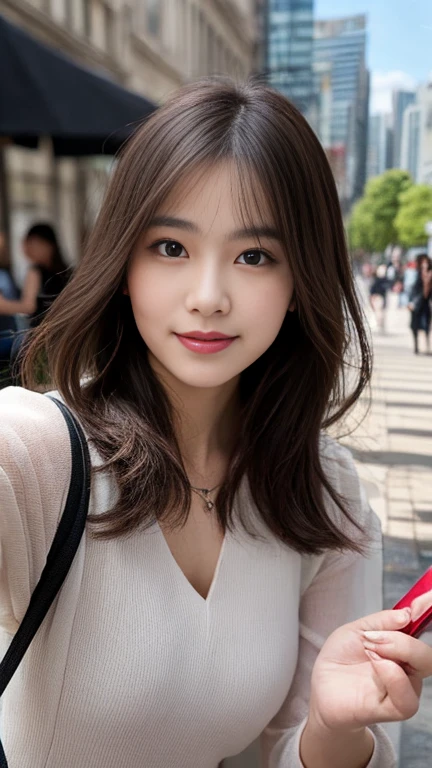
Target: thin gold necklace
204 493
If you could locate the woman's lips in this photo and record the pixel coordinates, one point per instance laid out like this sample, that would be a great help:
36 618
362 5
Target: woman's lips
205 346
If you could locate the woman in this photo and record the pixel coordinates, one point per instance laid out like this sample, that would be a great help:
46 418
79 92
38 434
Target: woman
419 300
45 279
378 295
231 565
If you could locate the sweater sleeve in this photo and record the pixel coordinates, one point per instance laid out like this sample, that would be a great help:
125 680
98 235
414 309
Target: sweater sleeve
35 466
337 588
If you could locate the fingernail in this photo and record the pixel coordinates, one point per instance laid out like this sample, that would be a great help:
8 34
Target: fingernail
369 646
379 637
373 656
404 614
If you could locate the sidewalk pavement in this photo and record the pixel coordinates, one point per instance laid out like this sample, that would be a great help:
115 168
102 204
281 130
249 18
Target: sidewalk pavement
393 452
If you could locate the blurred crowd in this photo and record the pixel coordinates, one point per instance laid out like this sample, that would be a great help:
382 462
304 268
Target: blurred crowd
412 282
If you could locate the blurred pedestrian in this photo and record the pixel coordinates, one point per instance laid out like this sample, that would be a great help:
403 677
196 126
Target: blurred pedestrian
394 274
8 290
45 279
378 295
420 300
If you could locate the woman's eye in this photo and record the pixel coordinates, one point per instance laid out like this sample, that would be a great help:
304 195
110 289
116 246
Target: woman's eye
255 258
170 248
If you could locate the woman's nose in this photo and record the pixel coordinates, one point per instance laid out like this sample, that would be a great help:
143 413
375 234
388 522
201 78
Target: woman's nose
208 292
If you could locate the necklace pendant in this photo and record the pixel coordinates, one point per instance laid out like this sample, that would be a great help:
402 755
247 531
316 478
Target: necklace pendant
209 505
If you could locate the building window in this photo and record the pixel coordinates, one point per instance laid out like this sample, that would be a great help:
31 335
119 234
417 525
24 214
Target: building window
202 44
68 14
108 17
212 52
154 17
88 18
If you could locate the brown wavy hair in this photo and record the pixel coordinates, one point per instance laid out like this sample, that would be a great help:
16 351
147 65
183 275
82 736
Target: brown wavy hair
97 359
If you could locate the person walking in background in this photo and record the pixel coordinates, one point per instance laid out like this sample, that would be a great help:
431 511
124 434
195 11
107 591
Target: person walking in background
378 295
45 279
8 290
394 274
419 300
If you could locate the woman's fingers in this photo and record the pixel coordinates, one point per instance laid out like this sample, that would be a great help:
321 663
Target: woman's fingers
402 700
401 648
385 620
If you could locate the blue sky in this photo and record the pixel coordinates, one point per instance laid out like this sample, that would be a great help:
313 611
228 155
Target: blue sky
400 40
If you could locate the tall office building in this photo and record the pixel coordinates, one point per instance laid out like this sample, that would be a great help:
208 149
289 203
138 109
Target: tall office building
339 50
288 55
416 145
410 144
401 100
380 144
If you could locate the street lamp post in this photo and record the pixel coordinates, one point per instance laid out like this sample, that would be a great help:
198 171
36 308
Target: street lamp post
428 230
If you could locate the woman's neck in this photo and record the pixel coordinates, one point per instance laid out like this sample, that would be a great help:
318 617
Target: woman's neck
206 423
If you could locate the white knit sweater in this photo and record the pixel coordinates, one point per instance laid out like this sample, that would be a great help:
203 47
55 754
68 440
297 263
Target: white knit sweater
131 667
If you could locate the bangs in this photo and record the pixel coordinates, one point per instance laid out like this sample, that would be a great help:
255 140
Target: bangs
252 201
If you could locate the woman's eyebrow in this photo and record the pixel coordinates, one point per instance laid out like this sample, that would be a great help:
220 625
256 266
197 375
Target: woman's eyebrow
256 232
172 221
238 234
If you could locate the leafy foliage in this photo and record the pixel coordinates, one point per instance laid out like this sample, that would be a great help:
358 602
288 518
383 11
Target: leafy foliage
415 210
372 224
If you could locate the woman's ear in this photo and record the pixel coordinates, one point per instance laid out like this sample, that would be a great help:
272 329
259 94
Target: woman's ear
293 305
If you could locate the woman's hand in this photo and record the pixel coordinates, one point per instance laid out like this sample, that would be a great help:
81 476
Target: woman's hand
359 680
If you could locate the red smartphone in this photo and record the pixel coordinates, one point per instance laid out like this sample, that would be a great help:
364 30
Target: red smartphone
419 599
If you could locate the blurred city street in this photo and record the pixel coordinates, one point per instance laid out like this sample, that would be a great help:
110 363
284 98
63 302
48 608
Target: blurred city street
392 448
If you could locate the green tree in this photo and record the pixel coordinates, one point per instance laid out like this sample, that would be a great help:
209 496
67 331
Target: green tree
372 225
360 227
415 210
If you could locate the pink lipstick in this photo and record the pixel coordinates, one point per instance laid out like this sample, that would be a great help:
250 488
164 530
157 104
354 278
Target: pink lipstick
205 343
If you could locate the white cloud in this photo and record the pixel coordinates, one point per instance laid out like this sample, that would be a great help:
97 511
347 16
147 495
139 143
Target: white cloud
382 86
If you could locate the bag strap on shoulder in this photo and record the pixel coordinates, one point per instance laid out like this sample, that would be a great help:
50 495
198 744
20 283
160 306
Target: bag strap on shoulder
60 556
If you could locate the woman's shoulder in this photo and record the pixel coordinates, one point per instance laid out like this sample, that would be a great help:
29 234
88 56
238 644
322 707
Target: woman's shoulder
31 425
35 470
340 469
338 464
336 458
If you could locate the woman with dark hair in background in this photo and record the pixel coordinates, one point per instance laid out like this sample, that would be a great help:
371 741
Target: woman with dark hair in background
230 571
420 300
45 279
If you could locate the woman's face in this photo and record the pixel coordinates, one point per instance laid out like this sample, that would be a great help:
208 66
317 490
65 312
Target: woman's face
38 250
196 269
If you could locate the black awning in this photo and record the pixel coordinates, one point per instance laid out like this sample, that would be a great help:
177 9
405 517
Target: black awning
44 93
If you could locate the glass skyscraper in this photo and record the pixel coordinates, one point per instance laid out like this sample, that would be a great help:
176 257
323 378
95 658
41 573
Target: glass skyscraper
341 43
339 49
289 47
401 100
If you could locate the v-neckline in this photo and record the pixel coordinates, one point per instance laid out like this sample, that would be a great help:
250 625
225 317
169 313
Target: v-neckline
184 578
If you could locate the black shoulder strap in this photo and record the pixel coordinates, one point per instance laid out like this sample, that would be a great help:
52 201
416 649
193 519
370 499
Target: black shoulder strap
60 556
